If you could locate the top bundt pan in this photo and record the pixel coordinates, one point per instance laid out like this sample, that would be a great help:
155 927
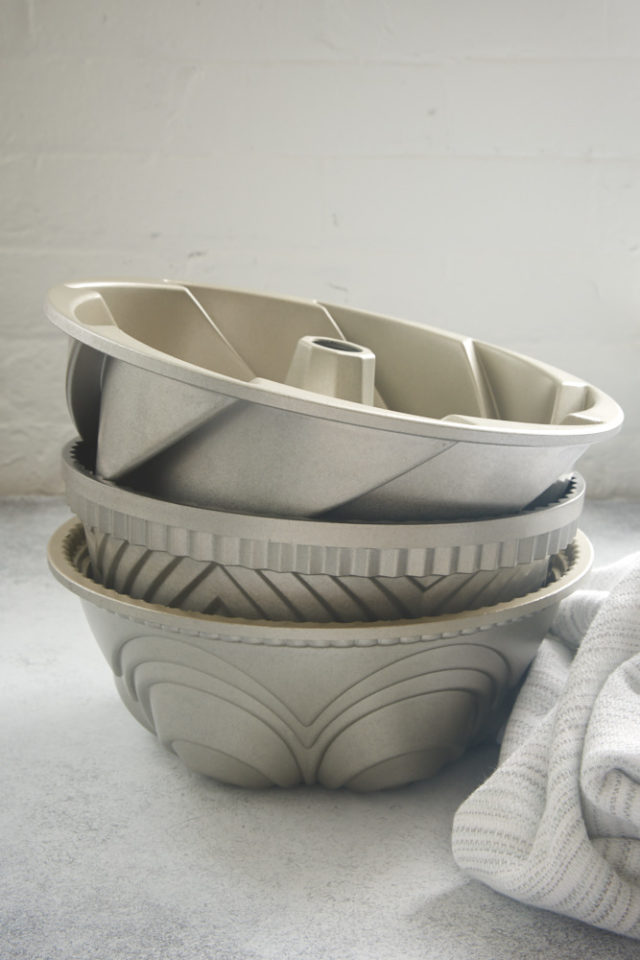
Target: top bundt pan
192 394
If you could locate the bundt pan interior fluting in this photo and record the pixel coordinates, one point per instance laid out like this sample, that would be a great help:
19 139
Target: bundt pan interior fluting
363 705
237 401
287 569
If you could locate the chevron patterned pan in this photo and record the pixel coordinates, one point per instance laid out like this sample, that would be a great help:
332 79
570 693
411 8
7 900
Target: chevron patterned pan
412 570
231 591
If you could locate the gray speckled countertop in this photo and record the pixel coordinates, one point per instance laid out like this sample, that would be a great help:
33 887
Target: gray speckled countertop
111 850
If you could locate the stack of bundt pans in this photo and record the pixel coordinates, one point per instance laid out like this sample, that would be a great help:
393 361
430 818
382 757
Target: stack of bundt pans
314 544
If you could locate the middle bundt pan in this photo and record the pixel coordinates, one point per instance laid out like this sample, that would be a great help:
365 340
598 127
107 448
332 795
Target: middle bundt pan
272 406
276 568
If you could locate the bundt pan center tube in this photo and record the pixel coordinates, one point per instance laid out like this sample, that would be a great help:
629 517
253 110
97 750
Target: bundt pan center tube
238 401
363 706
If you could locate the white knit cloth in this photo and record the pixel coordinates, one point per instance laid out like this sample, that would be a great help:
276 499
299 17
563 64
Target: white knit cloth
558 824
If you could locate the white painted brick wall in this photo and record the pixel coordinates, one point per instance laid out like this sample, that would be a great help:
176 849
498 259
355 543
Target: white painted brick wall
475 165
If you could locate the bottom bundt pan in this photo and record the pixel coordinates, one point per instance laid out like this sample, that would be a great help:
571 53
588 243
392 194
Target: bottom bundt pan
364 706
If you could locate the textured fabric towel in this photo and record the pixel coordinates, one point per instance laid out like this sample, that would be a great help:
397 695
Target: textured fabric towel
558 823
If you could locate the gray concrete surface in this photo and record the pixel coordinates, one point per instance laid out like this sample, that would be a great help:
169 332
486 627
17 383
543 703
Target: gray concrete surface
111 850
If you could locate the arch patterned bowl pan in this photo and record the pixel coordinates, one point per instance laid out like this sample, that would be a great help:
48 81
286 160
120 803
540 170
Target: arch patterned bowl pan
193 394
362 706
263 568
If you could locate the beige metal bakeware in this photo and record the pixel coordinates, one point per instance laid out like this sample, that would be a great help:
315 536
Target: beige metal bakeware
193 394
287 569
363 705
